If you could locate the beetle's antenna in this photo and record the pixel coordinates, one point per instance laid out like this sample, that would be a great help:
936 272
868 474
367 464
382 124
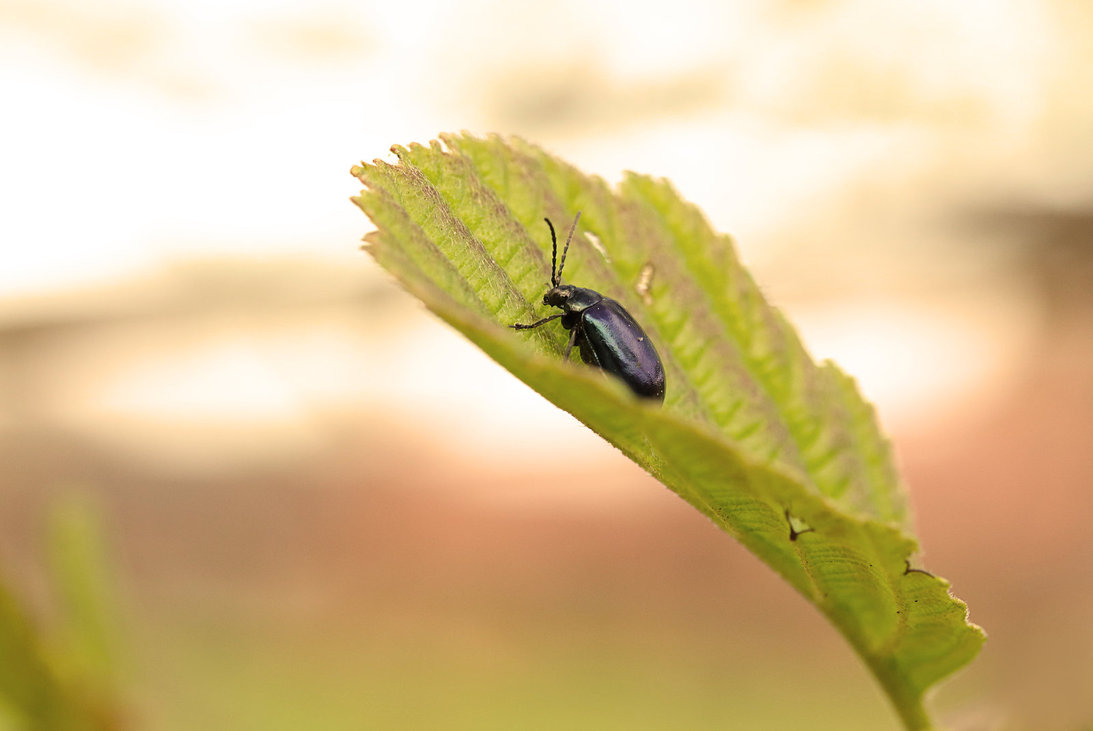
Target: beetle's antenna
553 254
566 249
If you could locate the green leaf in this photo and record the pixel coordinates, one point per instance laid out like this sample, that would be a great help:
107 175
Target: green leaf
62 680
29 692
780 452
85 589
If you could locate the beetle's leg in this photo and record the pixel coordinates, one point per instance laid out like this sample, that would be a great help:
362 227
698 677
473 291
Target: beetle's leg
572 339
518 326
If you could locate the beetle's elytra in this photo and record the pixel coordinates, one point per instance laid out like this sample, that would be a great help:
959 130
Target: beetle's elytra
604 332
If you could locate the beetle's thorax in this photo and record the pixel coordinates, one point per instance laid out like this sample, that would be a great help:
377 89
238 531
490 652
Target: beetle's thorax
570 298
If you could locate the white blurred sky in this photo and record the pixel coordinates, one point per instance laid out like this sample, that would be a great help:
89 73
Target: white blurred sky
138 135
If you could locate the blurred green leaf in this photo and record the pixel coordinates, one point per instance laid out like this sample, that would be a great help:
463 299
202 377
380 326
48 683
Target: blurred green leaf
85 591
780 452
63 680
29 691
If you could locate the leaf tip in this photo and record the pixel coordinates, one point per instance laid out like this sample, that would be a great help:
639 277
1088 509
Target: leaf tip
359 201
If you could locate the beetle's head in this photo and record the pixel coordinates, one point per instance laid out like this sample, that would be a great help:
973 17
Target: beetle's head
558 296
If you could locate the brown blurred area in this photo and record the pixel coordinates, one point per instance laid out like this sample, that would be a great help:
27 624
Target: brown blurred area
328 511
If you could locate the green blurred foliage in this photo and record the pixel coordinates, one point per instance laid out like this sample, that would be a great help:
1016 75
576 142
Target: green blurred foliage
64 677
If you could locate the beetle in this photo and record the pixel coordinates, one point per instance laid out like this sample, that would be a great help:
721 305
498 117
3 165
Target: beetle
606 335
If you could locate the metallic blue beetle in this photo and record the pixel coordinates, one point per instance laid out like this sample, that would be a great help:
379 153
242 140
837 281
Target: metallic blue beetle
605 333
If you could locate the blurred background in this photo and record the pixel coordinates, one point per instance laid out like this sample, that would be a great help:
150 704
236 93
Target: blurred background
322 509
